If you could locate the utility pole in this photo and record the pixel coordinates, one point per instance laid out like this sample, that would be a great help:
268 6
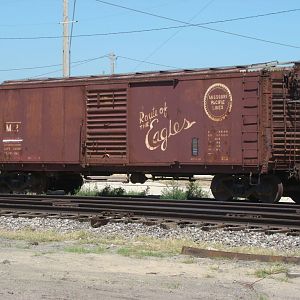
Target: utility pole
112 57
66 50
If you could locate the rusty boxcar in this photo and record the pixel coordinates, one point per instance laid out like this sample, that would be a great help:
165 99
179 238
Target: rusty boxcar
241 124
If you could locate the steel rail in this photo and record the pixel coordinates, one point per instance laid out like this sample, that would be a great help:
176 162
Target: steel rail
112 203
147 198
191 210
141 200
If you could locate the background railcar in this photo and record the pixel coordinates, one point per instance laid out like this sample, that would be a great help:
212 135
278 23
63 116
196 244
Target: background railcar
240 124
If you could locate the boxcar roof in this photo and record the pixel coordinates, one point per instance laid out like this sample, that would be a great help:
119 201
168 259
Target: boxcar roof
272 66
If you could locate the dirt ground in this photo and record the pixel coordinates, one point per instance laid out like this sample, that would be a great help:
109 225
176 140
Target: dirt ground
45 271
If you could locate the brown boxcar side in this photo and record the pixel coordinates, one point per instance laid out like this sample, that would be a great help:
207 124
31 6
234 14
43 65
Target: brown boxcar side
41 125
203 122
241 124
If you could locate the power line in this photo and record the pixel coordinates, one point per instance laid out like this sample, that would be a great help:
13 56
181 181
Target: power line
172 27
44 74
29 24
96 34
154 29
82 62
140 11
71 35
197 25
151 30
84 20
79 63
176 20
29 68
186 24
173 35
147 62
51 66
253 16
66 40
73 20
148 30
76 64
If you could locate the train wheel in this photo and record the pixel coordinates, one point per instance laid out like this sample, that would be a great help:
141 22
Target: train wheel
69 182
138 178
270 189
4 189
72 183
253 198
220 187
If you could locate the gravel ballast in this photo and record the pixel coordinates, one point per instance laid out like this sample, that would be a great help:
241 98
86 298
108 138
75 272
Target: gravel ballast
130 231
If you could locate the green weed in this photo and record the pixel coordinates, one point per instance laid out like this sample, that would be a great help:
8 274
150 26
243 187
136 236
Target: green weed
139 252
272 270
84 250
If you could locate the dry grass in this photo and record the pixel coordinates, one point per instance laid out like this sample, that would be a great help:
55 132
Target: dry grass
146 246
137 247
32 236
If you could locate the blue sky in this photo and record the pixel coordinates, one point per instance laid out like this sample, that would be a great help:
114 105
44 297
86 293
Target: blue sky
190 47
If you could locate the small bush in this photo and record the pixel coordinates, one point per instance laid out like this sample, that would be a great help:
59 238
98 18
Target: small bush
194 190
109 191
173 191
106 191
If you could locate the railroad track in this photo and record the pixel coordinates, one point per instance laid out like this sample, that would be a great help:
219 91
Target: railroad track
206 213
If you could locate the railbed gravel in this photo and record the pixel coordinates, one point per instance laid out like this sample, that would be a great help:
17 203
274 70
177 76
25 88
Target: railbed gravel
244 238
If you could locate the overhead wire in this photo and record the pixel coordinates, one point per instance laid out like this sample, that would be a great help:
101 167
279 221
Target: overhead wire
139 11
85 61
29 24
198 25
73 20
51 66
169 28
173 35
71 35
186 24
172 27
147 62
76 64
29 68
154 29
176 20
150 30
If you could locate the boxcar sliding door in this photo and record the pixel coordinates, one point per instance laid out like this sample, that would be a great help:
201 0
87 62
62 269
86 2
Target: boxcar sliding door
106 125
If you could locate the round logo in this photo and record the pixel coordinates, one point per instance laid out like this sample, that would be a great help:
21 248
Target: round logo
217 102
